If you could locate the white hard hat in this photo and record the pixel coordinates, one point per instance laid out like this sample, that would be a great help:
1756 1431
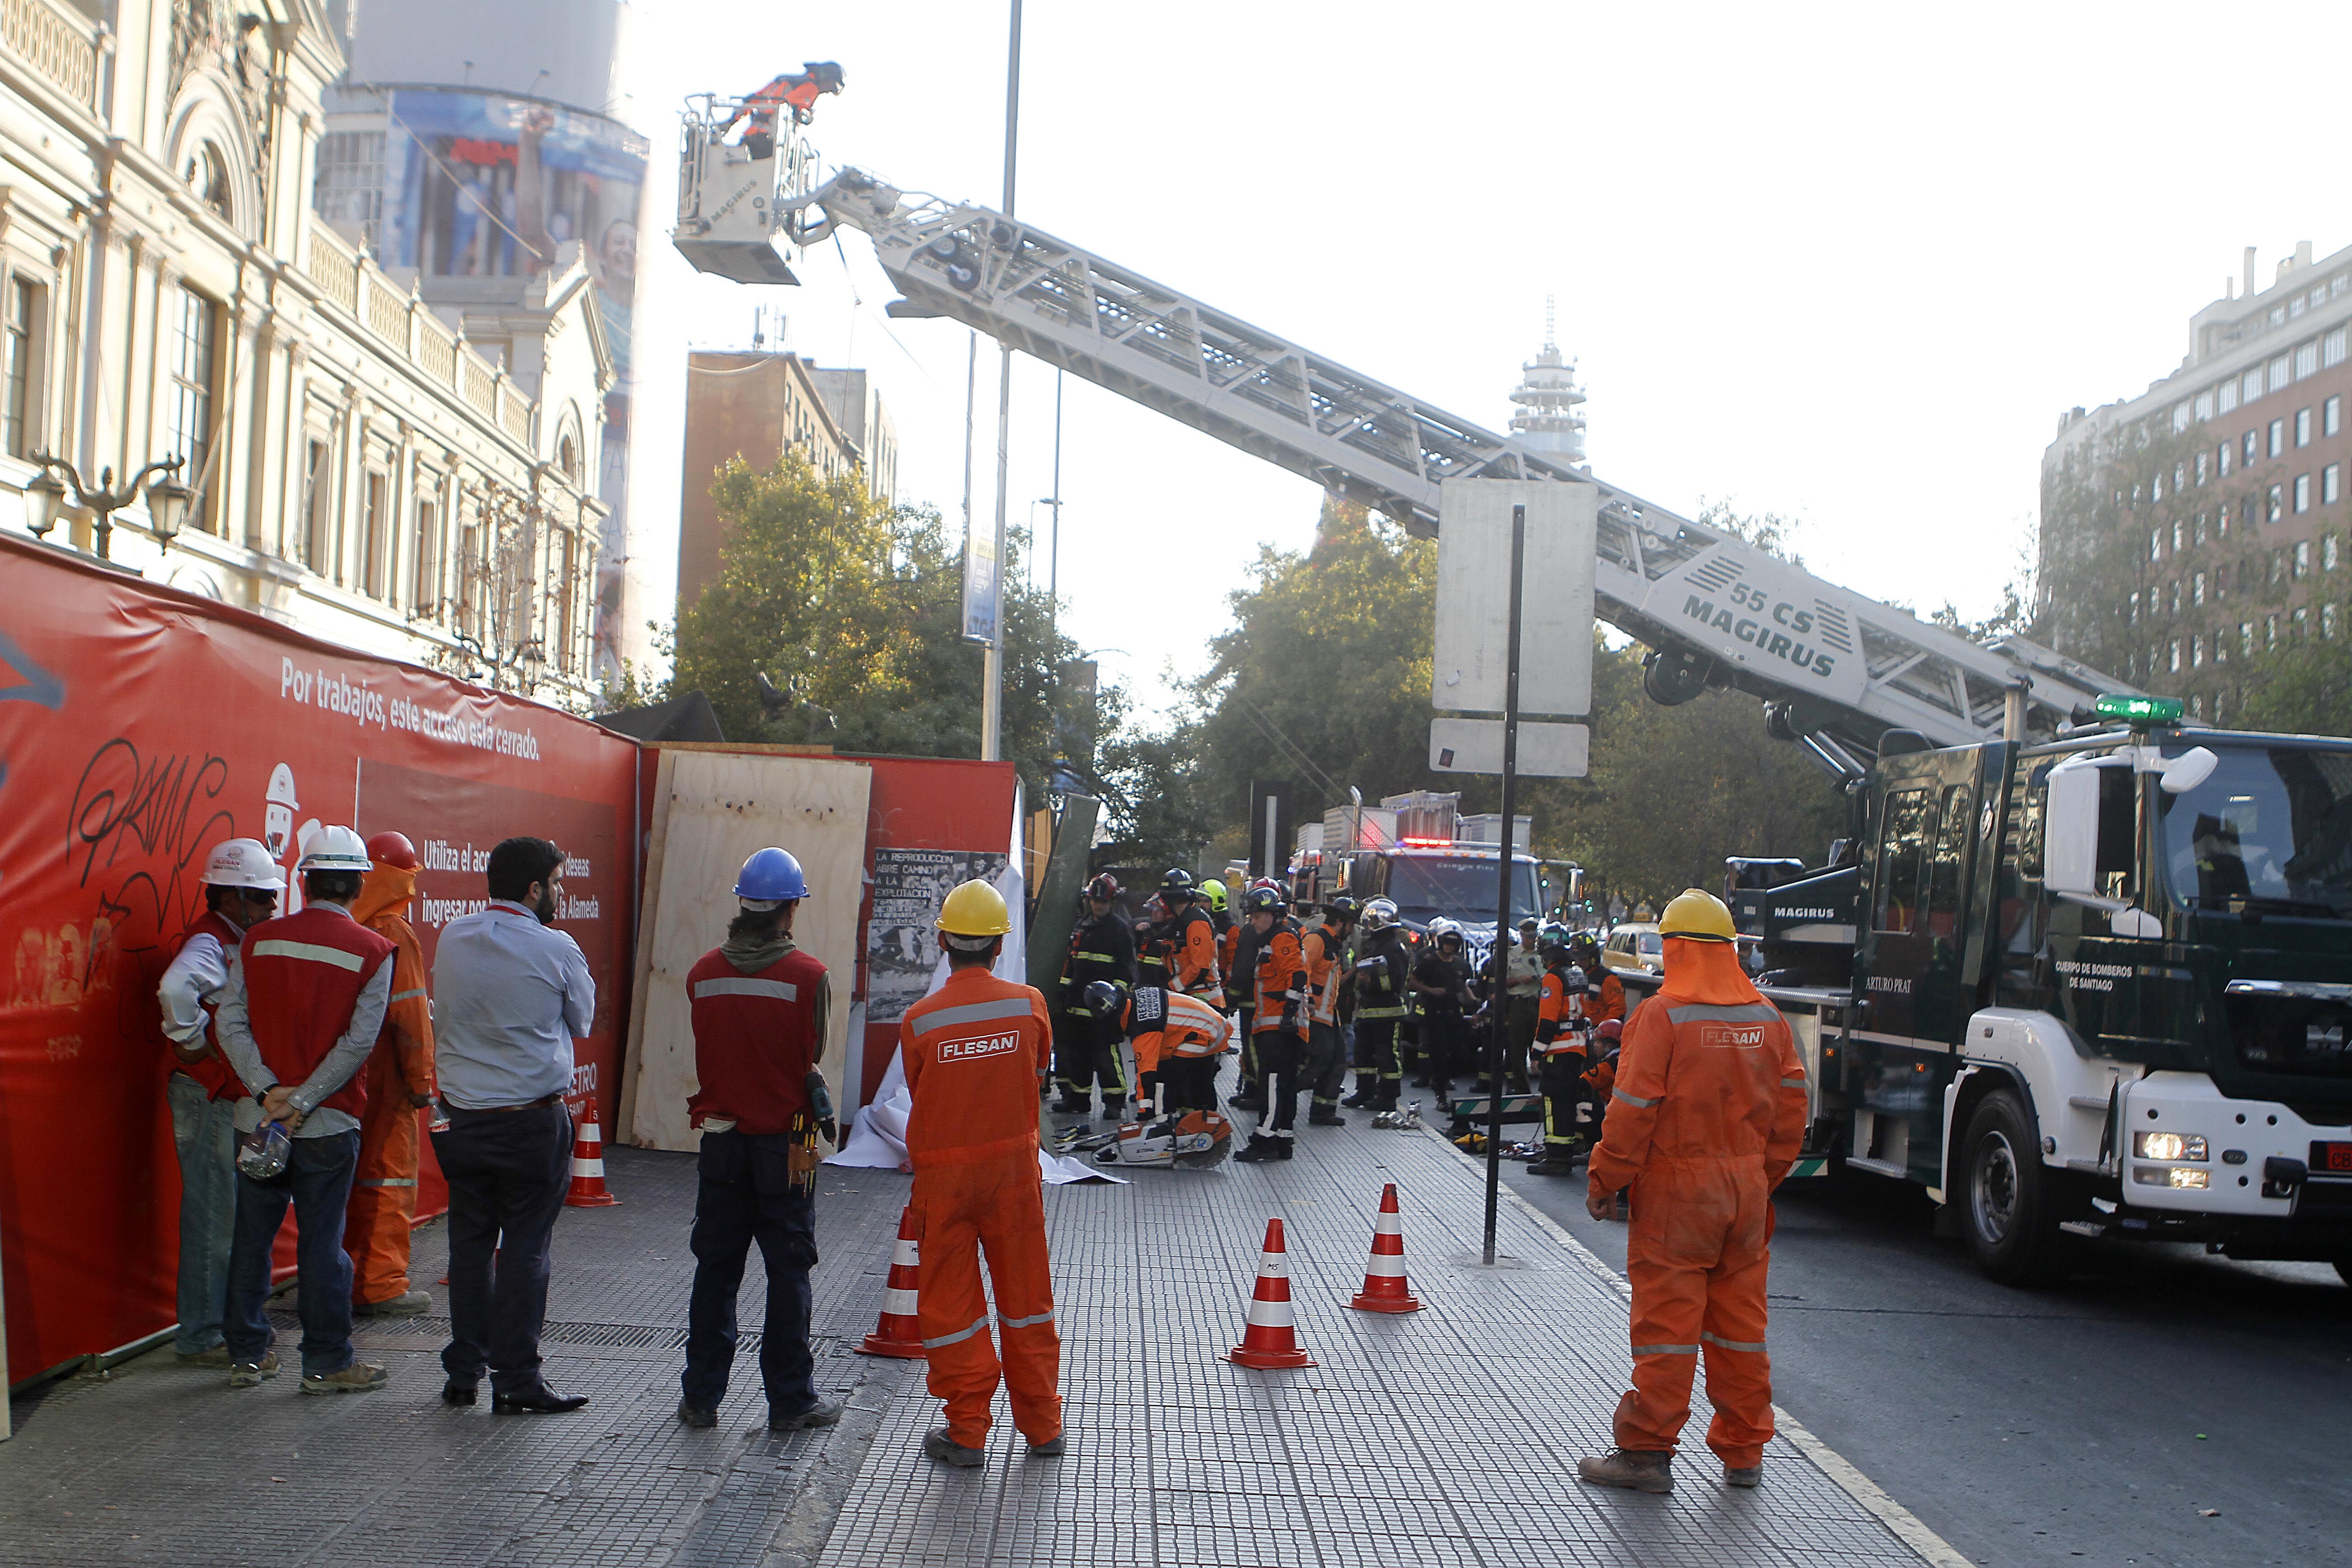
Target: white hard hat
242 863
1442 927
281 786
334 849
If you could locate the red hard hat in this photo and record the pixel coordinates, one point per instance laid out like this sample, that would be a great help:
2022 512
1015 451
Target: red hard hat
1610 1028
393 849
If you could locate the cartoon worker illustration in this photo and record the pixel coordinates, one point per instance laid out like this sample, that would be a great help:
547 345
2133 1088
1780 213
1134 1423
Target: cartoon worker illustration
277 830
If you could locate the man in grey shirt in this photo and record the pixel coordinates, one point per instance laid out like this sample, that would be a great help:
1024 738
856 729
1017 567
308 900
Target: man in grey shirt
510 994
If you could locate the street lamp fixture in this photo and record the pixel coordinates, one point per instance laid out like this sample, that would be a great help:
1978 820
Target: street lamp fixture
167 498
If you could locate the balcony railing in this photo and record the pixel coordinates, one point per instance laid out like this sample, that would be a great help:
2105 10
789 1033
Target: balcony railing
409 331
59 44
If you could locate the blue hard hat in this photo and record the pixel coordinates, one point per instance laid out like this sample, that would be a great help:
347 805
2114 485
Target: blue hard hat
772 875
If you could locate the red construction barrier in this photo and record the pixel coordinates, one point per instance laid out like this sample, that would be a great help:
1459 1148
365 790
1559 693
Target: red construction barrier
139 727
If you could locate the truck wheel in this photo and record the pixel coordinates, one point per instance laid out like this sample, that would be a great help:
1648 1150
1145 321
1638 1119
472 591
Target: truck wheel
2007 1207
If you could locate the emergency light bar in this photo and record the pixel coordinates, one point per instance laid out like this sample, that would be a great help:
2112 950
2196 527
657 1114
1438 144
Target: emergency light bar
1426 843
2140 710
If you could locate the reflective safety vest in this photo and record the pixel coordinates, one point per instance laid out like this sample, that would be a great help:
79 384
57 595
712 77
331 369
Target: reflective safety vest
1168 1024
212 1069
754 1040
303 977
1559 1013
1281 980
1322 954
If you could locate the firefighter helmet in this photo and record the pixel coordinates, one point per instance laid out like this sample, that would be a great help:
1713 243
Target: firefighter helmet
1340 907
1441 928
1104 888
1696 915
1379 915
1214 891
1263 900
1105 998
1176 886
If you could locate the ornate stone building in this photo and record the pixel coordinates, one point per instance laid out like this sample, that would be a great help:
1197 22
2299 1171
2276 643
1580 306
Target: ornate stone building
376 470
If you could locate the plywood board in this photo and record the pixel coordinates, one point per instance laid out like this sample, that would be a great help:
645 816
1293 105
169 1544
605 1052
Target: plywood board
624 1115
713 810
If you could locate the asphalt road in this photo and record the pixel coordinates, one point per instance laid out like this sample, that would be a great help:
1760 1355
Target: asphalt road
2089 1421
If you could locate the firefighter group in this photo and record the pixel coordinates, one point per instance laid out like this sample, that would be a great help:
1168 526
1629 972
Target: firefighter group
1303 1001
304 1043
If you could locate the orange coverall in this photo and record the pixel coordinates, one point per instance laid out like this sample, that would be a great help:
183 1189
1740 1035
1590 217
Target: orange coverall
383 1207
975 1051
1707 1115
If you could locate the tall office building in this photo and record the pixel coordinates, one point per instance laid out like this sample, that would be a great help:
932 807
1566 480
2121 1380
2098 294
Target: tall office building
2191 528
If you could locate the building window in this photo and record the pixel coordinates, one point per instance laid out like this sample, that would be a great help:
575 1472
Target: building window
317 500
2331 347
2222 464
2299 627
196 331
2175 596
2270 631
2227 397
2175 649
2281 372
2327 560
2135 607
2222 523
2220 648
2278 437
2176 536
2196 706
470 579
425 587
2196 651
2197 589
2251 447
2302 426
2249 385
2205 405
2306 360
2328 622
19 388
2180 419
2246 636
349 188
2200 528
2331 416
2294 308
2200 468
2155 545
208 176
2301 567
373 528
567 599
2303 492
2277 503
2331 483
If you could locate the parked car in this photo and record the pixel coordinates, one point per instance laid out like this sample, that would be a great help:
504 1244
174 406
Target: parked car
1635 947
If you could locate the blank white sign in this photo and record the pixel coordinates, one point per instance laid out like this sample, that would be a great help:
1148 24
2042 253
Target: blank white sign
1474 588
1476 746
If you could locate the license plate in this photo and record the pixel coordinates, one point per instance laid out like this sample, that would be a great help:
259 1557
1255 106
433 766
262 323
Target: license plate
2335 1158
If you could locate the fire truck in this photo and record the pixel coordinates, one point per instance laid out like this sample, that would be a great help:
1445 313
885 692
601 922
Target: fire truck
1421 852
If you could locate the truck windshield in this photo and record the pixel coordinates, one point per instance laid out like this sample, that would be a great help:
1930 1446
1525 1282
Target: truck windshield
2272 829
1462 890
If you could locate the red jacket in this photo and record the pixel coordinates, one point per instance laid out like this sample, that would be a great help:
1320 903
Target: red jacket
974 1050
755 1039
212 1069
303 976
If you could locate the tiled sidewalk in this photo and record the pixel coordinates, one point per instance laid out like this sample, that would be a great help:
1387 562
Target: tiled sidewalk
1442 1437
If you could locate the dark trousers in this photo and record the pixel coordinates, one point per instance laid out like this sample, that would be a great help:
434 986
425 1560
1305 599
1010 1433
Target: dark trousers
1085 1052
1380 1074
318 1182
1278 1059
1445 1047
746 1195
508 1172
1326 1070
1410 1053
1566 1104
1188 1083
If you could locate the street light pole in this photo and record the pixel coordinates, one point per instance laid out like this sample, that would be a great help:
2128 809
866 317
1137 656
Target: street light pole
167 500
992 705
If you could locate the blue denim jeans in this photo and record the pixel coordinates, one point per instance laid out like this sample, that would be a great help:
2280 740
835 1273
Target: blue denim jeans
746 1195
318 1182
204 1132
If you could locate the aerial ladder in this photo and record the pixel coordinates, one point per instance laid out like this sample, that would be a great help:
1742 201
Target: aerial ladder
1836 669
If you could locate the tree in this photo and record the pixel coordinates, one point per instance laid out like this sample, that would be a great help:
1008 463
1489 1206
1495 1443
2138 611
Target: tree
2303 689
853 612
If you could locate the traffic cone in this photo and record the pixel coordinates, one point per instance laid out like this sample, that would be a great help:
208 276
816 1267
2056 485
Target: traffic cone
1271 1342
897 1333
588 1166
1385 1290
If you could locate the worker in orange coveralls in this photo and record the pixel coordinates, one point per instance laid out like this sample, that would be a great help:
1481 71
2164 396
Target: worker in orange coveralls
975 1051
1705 1115
383 1207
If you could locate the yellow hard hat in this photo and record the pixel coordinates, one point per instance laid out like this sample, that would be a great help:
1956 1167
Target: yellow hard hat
974 909
1697 915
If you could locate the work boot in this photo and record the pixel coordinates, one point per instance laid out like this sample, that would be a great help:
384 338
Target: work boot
1263 1148
1551 1165
1361 1099
1750 1477
1114 1110
249 1373
1068 1107
1325 1116
1635 1470
692 1414
1053 1447
359 1377
409 1305
1250 1098
948 1451
824 1413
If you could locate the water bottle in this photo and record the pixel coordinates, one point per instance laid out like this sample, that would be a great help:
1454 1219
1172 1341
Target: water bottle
262 1153
436 1119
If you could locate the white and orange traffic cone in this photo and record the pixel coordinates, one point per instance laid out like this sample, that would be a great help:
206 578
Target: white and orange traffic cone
1385 1290
1271 1341
898 1335
588 1166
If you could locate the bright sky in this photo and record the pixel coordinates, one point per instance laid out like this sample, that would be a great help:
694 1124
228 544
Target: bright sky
1845 263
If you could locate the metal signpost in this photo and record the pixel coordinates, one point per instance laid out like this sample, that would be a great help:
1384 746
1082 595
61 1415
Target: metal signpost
1494 573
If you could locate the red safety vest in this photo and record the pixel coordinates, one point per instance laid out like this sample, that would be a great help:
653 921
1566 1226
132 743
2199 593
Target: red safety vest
755 1039
211 1069
303 977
